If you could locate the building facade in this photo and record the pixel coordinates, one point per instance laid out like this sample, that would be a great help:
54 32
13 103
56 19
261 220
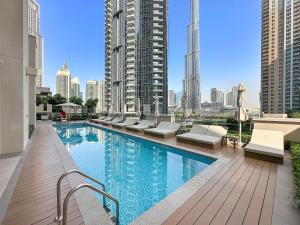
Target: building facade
216 96
136 54
63 82
280 56
231 97
191 82
91 90
75 87
34 29
18 71
171 98
101 97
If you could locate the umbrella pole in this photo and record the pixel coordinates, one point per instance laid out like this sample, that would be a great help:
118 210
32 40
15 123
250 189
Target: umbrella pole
240 132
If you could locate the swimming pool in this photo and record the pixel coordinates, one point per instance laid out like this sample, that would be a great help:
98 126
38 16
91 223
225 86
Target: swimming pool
139 173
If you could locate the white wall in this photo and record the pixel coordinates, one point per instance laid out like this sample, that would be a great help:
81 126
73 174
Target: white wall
13 81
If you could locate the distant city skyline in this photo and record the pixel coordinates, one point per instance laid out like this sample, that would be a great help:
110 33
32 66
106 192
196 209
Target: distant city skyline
226 59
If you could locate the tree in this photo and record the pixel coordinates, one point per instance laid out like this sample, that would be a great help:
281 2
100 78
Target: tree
57 99
40 99
91 104
76 100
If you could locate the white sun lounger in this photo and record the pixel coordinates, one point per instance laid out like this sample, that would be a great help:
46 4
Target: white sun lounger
164 129
144 124
209 136
266 145
115 120
102 119
127 122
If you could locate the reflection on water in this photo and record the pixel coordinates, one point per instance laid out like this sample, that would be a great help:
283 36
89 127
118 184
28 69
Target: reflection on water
138 173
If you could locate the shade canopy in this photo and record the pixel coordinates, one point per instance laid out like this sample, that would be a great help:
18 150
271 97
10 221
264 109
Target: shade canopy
70 105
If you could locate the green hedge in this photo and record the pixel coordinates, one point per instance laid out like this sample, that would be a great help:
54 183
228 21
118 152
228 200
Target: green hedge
295 154
31 129
77 116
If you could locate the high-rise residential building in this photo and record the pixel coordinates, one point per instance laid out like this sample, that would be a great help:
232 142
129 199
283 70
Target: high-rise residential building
34 29
280 56
191 82
136 54
63 81
171 98
75 87
231 97
216 96
101 97
91 90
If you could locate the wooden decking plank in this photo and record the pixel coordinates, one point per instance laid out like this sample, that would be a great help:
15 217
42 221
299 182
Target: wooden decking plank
51 189
35 218
254 210
191 202
27 215
37 199
267 209
240 209
199 208
210 212
225 211
34 207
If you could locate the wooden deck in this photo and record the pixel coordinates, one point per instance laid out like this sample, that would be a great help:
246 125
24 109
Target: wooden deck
241 193
34 198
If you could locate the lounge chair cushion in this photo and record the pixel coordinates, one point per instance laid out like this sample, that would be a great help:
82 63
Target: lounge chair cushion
161 131
200 138
216 131
266 142
144 124
264 150
127 122
199 129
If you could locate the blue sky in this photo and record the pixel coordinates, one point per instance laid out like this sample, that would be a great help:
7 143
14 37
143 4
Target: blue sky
73 30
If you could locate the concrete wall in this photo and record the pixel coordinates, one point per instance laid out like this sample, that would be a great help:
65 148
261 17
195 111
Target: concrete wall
13 81
290 127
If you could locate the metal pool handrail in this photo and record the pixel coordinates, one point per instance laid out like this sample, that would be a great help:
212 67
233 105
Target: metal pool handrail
85 185
59 216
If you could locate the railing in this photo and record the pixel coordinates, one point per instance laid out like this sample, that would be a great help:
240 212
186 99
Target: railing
85 185
59 216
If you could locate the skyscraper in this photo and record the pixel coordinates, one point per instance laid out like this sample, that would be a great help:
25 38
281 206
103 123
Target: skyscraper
231 97
216 96
34 29
91 90
171 98
75 87
63 81
136 54
191 82
280 56
101 97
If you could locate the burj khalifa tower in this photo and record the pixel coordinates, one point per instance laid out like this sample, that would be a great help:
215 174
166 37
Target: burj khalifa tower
191 82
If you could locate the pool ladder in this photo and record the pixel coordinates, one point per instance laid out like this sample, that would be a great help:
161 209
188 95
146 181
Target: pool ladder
61 217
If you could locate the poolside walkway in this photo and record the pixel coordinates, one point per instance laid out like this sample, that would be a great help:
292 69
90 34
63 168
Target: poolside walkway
242 192
34 197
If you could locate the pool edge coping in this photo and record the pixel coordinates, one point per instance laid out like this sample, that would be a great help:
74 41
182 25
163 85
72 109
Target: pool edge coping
158 213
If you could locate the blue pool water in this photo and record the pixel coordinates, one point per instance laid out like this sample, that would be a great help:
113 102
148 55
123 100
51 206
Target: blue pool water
137 172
